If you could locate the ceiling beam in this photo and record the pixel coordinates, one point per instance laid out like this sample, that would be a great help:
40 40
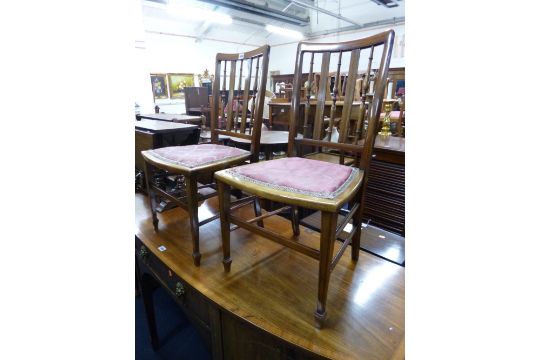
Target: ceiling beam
392 21
267 12
324 11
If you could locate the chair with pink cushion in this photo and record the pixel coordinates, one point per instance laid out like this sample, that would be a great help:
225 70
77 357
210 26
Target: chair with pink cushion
311 183
245 74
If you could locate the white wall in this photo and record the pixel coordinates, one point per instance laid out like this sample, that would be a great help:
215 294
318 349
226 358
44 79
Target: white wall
175 54
160 53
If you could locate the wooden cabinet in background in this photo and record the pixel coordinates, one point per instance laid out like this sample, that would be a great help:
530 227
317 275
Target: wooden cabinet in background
385 195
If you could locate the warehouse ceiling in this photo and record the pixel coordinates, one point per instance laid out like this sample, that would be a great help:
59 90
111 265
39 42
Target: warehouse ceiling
311 18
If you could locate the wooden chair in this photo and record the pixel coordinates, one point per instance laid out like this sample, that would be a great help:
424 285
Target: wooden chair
313 184
195 162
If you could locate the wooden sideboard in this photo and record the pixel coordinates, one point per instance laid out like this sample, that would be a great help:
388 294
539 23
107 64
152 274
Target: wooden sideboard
177 118
262 309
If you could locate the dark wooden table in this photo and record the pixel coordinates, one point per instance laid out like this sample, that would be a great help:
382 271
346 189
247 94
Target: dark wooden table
271 141
179 118
154 134
279 112
259 310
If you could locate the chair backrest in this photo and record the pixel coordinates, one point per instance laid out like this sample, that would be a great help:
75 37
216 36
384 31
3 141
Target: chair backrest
239 78
195 98
353 137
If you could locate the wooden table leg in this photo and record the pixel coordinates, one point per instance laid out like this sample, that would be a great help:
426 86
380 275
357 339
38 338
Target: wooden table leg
328 236
224 195
146 291
268 152
270 120
193 208
151 194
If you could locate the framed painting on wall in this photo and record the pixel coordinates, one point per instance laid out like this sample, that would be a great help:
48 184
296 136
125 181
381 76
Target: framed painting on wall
177 83
159 86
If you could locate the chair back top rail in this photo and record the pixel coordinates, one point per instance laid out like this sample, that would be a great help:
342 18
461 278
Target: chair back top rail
238 79
358 128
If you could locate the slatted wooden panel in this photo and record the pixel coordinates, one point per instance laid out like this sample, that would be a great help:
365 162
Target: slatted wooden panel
362 56
239 79
385 196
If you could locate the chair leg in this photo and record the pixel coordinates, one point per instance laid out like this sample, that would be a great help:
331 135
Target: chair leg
328 236
357 222
224 195
193 207
257 209
295 221
151 194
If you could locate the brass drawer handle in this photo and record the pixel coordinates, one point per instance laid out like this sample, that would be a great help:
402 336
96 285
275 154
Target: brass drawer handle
143 253
180 290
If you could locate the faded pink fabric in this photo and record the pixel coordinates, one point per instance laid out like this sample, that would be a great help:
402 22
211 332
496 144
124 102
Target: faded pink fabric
197 155
236 105
305 176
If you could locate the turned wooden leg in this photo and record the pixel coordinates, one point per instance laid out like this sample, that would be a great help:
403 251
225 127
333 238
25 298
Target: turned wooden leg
147 295
151 194
295 221
328 236
257 208
224 195
193 208
357 222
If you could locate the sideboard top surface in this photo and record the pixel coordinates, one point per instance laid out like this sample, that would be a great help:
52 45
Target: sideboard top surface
274 288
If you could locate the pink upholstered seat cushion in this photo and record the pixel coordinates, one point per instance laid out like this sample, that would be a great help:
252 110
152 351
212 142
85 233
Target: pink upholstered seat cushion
197 155
300 175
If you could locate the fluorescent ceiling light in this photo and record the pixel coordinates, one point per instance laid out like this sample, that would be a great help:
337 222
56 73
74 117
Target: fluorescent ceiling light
199 14
284 31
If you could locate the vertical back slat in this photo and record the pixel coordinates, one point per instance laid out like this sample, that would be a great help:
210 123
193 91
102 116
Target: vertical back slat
308 95
255 84
237 98
247 86
349 96
358 131
376 105
318 123
223 92
215 103
295 118
335 91
230 102
256 125
338 80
